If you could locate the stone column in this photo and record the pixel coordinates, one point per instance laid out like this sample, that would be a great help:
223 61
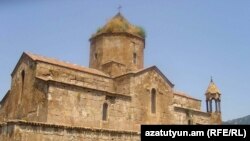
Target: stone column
216 105
219 105
207 105
211 108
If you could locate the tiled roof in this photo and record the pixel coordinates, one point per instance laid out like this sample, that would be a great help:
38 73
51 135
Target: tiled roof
193 110
212 88
184 95
64 64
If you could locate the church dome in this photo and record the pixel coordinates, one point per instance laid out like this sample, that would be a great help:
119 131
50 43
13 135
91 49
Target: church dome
118 24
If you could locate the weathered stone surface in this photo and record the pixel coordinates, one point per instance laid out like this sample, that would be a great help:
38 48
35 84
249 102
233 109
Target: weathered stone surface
25 131
26 99
183 100
108 101
109 47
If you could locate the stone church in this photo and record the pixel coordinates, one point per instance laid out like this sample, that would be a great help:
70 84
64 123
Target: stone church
52 100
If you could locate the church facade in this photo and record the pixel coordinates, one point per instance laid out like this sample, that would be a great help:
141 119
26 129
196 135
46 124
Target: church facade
53 100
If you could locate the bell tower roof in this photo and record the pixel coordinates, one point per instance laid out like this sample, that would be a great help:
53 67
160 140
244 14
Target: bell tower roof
212 88
119 24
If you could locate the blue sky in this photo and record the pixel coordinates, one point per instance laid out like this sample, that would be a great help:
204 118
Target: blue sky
189 41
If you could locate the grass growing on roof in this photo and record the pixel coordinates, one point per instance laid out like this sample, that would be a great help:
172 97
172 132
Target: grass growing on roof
120 24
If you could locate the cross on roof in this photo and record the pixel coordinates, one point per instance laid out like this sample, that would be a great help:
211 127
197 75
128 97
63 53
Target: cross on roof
119 8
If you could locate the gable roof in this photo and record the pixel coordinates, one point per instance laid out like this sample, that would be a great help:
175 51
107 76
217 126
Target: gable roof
159 72
38 58
149 69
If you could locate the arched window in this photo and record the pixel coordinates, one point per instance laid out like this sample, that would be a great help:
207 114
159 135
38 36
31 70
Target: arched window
23 77
22 86
134 58
95 55
153 101
105 112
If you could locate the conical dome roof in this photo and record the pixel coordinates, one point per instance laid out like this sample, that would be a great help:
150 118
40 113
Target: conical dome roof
118 24
212 88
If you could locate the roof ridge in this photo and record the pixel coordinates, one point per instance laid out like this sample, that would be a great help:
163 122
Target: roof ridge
184 94
66 64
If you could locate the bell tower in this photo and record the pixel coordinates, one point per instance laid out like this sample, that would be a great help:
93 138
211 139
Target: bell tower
213 102
117 47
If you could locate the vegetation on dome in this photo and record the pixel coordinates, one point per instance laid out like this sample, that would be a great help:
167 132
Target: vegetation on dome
119 24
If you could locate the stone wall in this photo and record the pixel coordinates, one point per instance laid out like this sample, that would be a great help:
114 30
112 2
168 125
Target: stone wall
141 88
28 131
185 115
26 99
182 100
79 106
123 84
216 118
118 47
61 74
114 68
77 98
55 94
